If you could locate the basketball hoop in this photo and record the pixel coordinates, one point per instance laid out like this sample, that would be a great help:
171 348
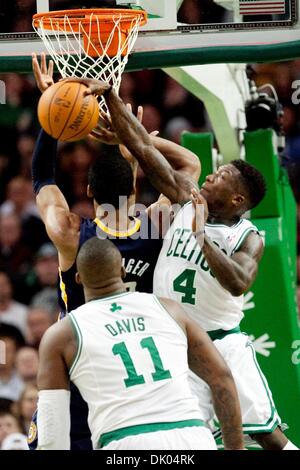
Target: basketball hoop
90 43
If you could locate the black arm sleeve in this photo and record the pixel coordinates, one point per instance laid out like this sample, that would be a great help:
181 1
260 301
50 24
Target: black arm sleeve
44 161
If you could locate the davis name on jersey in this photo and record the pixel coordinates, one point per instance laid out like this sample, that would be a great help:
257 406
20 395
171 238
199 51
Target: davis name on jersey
131 364
183 274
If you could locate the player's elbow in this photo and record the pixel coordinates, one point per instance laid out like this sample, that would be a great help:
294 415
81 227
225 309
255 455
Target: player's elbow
195 168
238 286
237 290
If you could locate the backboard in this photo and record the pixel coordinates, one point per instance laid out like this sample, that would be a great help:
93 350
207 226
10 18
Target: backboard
178 32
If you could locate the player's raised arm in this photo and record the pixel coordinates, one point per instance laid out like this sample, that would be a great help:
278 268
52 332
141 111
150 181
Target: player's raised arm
52 205
206 362
53 416
174 184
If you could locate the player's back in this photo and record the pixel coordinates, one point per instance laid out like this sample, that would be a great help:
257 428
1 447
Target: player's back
131 366
139 247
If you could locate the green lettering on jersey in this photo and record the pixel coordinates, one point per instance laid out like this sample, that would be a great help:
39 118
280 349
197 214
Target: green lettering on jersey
179 242
120 327
126 325
132 377
111 329
170 250
184 284
160 373
186 242
141 323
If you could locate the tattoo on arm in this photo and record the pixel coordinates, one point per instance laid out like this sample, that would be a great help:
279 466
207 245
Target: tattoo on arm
228 413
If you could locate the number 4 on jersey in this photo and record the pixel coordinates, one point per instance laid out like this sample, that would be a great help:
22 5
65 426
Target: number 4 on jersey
184 284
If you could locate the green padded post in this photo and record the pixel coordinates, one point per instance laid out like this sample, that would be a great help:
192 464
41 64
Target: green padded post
260 153
201 145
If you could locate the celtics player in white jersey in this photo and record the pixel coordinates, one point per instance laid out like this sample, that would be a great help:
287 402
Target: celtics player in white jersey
210 280
129 354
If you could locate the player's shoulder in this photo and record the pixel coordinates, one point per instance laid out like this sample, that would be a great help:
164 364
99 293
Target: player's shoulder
244 230
57 335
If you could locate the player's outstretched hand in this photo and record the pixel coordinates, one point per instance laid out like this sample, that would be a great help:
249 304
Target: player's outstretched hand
43 75
104 131
95 87
201 211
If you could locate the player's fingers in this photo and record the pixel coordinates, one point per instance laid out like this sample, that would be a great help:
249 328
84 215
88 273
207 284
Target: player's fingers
106 119
140 113
129 107
87 92
43 63
50 68
37 72
154 133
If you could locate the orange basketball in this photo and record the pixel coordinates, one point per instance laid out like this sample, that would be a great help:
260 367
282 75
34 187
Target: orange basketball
65 113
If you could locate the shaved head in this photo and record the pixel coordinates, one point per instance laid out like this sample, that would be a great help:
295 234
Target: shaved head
98 263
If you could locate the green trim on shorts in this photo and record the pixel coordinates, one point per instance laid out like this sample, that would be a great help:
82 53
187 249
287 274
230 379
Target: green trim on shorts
118 434
272 423
220 334
79 341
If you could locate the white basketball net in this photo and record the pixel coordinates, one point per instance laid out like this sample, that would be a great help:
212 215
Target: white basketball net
74 52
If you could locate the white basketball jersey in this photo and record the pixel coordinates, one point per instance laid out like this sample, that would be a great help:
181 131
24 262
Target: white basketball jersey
183 274
131 365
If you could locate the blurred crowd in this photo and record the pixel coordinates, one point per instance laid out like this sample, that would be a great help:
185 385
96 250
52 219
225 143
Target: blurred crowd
28 261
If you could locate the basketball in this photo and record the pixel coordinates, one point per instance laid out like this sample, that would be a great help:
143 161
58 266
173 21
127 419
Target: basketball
65 113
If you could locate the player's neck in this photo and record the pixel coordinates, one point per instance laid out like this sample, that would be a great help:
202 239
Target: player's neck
231 220
118 220
110 289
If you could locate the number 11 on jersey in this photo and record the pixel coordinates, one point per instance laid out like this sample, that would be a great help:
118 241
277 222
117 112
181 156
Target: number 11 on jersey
133 378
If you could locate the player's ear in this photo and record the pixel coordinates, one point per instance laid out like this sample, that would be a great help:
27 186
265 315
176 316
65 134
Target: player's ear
123 272
89 192
77 279
238 200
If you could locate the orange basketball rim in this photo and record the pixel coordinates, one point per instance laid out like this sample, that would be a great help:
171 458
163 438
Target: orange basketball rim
103 30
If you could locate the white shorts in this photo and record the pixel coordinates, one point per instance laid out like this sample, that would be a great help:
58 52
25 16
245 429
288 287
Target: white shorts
259 414
189 438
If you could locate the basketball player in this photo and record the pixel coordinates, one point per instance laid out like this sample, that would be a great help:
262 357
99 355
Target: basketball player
109 178
128 354
210 280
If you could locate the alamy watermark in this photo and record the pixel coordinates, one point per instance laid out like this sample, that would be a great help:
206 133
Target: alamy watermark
296 93
150 223
2 352
2 92
296 353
